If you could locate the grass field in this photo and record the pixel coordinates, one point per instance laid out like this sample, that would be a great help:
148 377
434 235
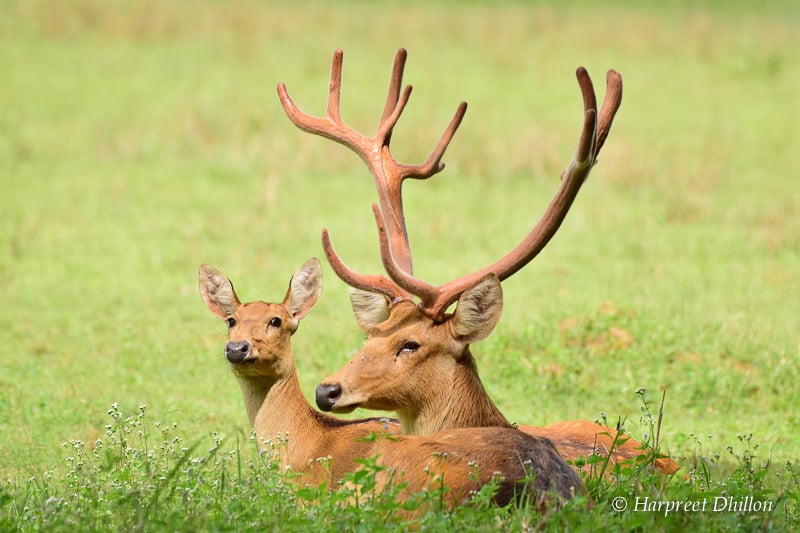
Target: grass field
139 140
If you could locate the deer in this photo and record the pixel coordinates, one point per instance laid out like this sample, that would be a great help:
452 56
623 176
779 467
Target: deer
323 449
417 360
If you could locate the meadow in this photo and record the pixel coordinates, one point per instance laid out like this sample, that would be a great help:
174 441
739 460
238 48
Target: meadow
141 139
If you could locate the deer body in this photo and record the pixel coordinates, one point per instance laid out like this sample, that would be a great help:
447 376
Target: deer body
416 360
260 356
426 372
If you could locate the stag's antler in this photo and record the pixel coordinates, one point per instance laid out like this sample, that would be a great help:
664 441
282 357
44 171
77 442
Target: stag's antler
436 300
387 172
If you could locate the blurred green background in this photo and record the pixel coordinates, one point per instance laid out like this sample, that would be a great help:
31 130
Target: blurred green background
141 139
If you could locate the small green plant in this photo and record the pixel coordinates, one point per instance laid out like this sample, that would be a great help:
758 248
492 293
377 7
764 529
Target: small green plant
137 475
142 475
598 466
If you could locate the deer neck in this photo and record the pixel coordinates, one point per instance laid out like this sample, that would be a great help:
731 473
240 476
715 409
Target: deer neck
464 403
281 416
277 408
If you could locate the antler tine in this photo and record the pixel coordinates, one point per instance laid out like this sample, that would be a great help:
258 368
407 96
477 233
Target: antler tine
393 95
404 280
331 126
364 282
436 300
587 88
585 149
433 165
611 102
334 108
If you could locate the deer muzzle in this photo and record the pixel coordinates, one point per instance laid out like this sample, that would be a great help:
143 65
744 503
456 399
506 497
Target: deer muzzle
236 352
327 395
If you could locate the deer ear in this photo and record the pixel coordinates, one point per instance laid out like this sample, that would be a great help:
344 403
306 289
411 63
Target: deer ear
304 289
217 292
478 310
369 308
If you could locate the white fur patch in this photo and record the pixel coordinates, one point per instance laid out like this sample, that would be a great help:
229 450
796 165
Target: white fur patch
479 309
217 291
224 294
369 308
304 289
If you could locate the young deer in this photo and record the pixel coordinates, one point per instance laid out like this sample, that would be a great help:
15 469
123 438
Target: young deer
260 355
416 359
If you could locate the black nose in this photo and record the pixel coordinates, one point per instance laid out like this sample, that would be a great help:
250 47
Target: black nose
327 395
235 352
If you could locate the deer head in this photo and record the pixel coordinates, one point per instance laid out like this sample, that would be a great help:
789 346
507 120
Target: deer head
409 362
259 333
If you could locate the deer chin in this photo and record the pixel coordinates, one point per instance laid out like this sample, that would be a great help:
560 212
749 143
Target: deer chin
245 366
252 368
344 409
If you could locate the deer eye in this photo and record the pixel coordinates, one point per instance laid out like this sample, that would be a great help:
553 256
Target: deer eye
409 346
275 322
231 322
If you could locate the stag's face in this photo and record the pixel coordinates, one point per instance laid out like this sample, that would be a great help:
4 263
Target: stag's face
405 359
408 361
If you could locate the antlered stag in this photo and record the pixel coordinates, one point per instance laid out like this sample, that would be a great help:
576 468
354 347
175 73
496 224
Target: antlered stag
416 360
260 355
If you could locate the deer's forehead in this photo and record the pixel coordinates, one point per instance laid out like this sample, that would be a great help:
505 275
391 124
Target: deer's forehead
259 311
404 317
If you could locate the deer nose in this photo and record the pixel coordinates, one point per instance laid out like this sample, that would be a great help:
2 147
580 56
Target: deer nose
235 352
327 395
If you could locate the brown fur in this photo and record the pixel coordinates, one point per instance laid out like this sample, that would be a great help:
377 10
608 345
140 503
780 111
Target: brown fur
437 387
464 459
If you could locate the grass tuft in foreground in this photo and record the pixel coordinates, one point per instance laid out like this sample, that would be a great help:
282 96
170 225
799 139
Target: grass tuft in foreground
142 475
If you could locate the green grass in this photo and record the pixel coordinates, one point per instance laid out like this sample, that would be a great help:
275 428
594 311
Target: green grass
143 475
138 141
